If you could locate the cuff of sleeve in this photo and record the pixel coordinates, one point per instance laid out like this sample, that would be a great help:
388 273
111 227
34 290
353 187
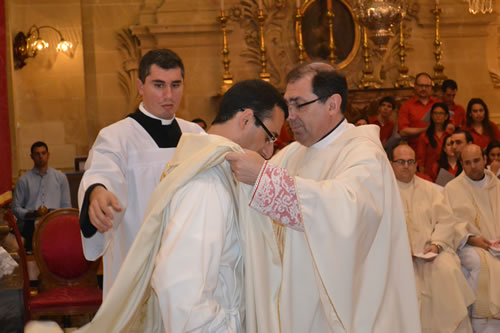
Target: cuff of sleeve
87 228
275 196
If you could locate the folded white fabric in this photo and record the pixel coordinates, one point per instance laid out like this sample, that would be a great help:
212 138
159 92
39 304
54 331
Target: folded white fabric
7 264
42 327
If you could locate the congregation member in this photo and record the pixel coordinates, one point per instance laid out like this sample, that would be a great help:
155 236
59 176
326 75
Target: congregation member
449 90
459 139
126 162
202 123
443 292
332 253
493 157
386 106
448 159
474 197
37 192
184 272
430 142
483 130
413 115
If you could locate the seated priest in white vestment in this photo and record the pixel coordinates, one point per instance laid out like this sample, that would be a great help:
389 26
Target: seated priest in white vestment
126 162
340 261
442 290
474 197
184 271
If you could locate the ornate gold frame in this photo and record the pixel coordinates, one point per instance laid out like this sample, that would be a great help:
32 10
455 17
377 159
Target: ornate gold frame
357 33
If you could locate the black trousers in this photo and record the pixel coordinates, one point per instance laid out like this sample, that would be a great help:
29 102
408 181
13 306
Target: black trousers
27 232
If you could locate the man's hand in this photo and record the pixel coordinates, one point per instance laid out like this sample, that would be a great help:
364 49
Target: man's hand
246 166
431 248
479 242
101 202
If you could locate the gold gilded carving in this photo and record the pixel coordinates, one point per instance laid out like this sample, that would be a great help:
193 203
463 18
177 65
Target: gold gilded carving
131 52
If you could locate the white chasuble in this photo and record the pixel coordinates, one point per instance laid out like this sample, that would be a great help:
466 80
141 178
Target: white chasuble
350 270
133 305
479 210
443 292
128 162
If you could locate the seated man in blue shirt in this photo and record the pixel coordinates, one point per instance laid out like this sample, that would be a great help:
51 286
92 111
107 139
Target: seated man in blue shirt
39 190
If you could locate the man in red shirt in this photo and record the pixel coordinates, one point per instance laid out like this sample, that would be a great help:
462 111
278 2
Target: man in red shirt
383 118
457 112
413 115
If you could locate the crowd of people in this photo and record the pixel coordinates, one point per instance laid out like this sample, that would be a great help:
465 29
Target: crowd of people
213 232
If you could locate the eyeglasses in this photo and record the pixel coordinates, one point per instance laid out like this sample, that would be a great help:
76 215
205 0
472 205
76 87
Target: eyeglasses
272 138
299 106
403 162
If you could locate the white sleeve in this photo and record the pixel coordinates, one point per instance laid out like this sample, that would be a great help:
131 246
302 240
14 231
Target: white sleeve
187 266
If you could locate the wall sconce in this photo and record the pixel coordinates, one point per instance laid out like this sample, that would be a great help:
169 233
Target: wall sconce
27 45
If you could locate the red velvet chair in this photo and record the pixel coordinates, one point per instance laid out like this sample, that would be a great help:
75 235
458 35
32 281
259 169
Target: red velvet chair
68 282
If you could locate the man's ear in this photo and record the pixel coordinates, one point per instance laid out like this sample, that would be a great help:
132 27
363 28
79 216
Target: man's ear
140 87
245 118
334 102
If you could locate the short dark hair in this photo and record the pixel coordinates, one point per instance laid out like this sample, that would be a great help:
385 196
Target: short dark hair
422 74
258 95
199 120
449 84
325 81
492 145
396 144
468 136
39 144
388 99
163 58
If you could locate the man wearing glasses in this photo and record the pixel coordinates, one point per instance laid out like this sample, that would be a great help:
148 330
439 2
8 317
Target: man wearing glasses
330 252
184 272
413 115
442 289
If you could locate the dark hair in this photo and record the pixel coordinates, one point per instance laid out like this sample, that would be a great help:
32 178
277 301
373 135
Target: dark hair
199 120
492 145
325 81
390 150
432 127
258 95
488 129
388 99
39 144
443 157
468 136
163 58
422 74
449 84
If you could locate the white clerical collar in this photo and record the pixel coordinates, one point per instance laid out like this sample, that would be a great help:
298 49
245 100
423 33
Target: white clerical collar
336 133
480 184
163 121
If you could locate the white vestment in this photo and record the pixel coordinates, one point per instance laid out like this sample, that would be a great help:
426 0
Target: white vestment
350 270
443 291
129 163
479 209
185 264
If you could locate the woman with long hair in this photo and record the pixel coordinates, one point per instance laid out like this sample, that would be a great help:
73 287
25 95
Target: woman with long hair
448 160
493 157
430 142
479 125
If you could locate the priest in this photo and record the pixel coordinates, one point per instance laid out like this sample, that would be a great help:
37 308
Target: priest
474 197
442 290
184 271
126 162
341 260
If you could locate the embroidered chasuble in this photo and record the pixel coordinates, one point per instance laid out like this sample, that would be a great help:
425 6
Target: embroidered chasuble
443 292
350 269
479 210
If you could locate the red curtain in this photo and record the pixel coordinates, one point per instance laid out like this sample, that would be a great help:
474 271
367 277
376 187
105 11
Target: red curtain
5 152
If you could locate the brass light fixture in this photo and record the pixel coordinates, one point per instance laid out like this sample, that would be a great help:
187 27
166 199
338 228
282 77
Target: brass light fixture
29 44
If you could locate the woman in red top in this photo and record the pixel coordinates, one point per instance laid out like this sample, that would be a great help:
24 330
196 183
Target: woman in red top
483 131
429 143
447 159
383 118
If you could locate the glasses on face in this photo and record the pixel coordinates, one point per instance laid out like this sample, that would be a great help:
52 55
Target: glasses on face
272 138
403 162
301 105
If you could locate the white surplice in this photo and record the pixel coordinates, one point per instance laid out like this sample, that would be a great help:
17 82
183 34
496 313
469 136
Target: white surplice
350 270
129 163
443 291
479 209
184 269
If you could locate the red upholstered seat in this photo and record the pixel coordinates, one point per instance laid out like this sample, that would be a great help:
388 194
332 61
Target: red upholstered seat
70 296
